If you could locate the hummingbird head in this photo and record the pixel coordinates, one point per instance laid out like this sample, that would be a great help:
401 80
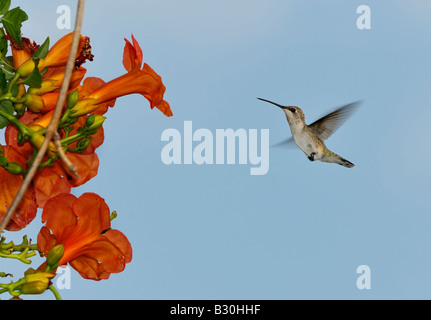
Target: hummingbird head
293 114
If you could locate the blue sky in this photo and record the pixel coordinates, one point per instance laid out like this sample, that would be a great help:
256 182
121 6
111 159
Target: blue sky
301 230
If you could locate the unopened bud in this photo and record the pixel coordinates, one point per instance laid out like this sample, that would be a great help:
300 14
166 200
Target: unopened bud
54 256
36 287
14 168
36 139
35 282
96 123
84 143
72 99
26 68
34 102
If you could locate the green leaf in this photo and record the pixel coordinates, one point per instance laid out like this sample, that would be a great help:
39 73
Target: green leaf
4 6
3 42
3 46
7 107
43 50
3 83
34 80
12 21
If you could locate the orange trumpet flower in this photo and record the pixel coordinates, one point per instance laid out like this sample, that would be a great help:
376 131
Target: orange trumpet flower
143 81
83 225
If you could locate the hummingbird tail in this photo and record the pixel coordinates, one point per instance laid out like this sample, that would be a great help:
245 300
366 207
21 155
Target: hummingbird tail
333 157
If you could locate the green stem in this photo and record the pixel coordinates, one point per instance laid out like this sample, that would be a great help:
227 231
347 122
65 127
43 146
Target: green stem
12 99
55 292
23 256
74 138
25 249
11 287
12 82
21 127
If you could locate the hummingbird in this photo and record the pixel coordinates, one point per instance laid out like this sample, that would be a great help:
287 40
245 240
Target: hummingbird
309 138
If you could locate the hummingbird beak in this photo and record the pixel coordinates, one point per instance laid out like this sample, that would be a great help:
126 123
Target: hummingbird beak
278 105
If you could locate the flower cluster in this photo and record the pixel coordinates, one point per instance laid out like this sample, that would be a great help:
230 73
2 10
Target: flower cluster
77 230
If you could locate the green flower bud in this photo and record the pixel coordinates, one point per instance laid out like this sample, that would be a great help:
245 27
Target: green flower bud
96 123
90 120
54 256
83 144
34 102
26 68
14 168
35 282
36 287
38 276
72 99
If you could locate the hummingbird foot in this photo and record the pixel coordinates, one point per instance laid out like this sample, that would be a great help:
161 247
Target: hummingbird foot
311 157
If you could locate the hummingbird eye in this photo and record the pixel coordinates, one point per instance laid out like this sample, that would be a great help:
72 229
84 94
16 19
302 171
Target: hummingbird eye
293 110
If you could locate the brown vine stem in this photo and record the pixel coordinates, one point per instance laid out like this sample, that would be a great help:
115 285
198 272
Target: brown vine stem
53 125
69 165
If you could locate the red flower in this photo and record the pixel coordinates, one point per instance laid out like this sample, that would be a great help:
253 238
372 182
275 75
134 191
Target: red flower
58 54
9 186
51 181
83 225
21 55
143 81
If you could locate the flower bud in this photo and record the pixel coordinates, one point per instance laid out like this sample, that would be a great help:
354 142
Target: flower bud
35 282
54 256
26 68
36 287
34 102
36 139
38 276
14 168
96 123
83 144
72 99
84 107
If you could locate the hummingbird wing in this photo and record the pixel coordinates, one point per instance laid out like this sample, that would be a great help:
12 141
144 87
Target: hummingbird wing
285 143
327 125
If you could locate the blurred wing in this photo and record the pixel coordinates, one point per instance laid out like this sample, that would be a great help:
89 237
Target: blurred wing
285 143
326 126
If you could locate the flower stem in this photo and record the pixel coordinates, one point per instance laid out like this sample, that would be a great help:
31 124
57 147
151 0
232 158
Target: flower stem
21 127
55 292
12 82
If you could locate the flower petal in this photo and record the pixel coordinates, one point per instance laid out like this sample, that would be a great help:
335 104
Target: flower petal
9 186
87 166
89 268
58 54
119 240
59 216
132 56
99 219
50 182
